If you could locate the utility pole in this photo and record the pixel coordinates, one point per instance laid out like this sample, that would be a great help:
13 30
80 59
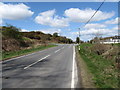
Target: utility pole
79 38
79 34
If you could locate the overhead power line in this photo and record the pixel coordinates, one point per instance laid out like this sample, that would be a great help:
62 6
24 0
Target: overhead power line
94 13
92 16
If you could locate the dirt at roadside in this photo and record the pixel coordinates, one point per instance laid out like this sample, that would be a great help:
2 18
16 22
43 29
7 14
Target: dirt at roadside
84 76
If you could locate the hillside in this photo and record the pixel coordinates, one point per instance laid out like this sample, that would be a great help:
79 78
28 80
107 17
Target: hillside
13 39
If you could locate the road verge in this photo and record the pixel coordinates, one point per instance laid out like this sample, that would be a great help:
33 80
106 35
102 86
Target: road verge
13 54
84 76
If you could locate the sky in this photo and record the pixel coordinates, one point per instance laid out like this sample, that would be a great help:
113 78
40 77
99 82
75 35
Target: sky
62 17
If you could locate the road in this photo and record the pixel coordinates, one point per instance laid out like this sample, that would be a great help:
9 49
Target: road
51 68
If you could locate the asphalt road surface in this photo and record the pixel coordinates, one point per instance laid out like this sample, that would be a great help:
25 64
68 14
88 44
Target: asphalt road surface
50 68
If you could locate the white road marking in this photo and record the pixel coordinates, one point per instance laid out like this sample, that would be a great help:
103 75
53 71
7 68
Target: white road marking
72 81
19 57
36 62
57 50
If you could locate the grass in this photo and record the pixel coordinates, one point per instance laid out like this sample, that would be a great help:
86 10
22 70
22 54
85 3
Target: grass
105 75
7 55
118 44
27 39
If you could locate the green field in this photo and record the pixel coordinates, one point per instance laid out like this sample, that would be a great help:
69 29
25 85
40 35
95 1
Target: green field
7 55
105 74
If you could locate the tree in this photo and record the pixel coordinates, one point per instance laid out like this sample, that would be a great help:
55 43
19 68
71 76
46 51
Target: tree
97 37
55 34
77 40
70 41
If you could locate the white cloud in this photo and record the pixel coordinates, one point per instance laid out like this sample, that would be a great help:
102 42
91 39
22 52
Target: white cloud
74 33
24 30
68 29
14 11
115 28
49 18
49 31
49 13
94 31
94 25
113 21
78 15
88 34
1 21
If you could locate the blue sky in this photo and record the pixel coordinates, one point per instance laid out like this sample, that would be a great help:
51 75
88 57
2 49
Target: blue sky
62 17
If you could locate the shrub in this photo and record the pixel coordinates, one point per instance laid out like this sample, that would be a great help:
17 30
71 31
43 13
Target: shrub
11 32
100 48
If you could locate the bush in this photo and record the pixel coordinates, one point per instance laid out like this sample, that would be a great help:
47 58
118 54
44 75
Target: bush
100 48
12 38
11 32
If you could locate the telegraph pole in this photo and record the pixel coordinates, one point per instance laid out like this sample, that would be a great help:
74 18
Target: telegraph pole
79 38
79 34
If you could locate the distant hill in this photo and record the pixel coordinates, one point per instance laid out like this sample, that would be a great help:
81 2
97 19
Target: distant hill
13 39
42 37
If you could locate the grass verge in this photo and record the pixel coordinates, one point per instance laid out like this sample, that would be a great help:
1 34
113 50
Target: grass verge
8 55
105 75
84 75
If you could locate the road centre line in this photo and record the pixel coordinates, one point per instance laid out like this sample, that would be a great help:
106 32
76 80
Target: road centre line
36 62
57 50
20 57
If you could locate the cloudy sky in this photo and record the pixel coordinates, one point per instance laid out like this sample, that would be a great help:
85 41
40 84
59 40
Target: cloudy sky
63 17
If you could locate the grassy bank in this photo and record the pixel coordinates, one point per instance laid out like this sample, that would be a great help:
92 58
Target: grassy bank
105 74
84 75
7 55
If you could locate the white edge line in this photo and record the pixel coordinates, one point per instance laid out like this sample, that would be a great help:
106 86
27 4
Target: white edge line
36 62
72 81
